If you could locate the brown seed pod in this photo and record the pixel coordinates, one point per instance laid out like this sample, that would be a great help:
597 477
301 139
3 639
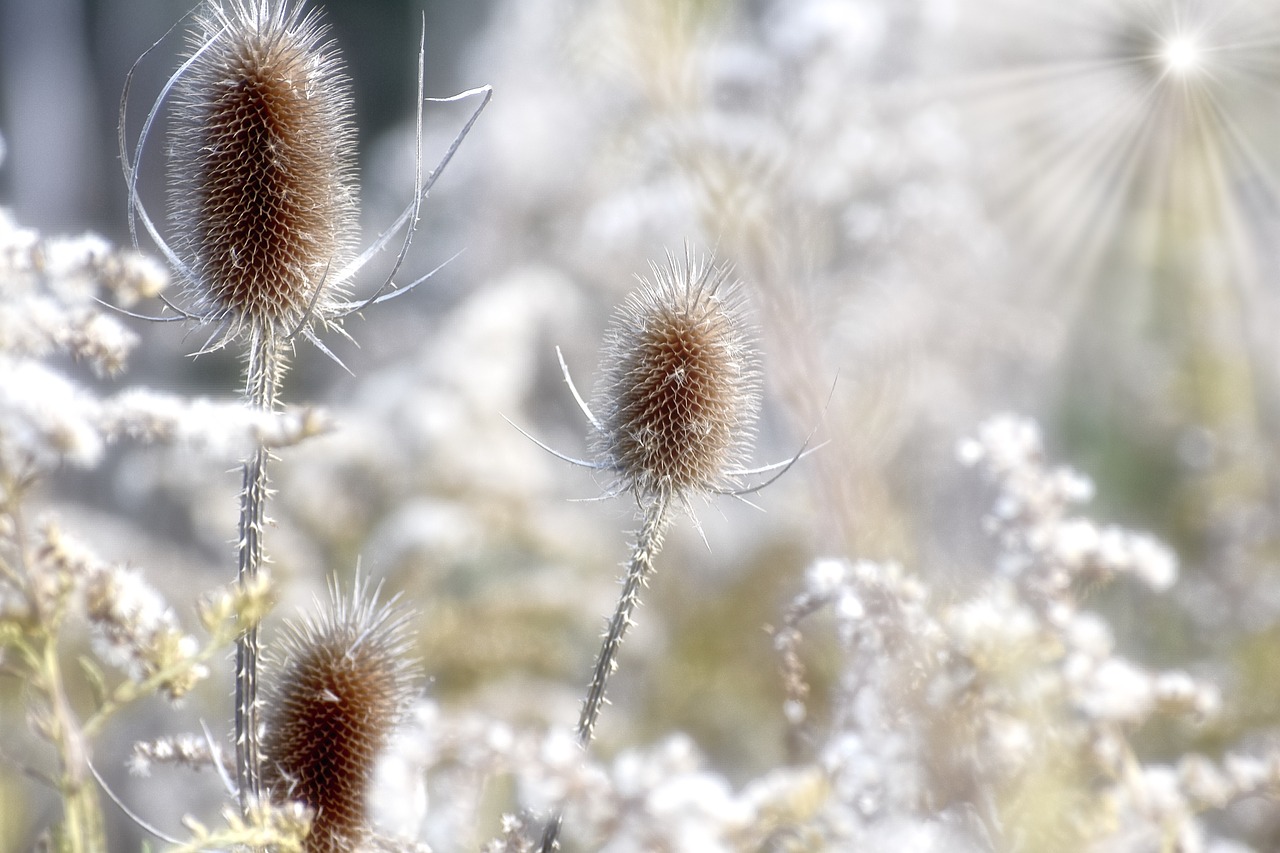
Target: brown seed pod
340 682
679 389
262 166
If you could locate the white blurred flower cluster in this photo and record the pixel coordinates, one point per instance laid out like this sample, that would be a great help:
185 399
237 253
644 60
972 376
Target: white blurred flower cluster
1041 545
51 308
60 346
1000 721
664 797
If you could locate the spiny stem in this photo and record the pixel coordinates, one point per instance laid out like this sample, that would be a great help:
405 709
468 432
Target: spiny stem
639 568
647 544
263 380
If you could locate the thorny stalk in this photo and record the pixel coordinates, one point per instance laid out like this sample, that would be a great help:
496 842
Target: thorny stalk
261 392
639 569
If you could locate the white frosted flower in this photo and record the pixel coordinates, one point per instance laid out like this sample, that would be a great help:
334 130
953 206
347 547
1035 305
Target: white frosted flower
560 749
1009 442
125 614
993 629
1089 634
694 799
1203 781
1073 486
826 575
223 430
1117 691
1161 792
1153 562
849 607
1075 542
1113 549
1248 773
70 261
45 418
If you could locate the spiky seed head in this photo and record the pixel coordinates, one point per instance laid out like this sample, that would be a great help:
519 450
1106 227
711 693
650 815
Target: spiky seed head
262 165
679 387
338 684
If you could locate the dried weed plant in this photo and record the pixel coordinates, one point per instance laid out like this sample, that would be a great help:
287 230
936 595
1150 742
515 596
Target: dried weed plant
966 660
264 201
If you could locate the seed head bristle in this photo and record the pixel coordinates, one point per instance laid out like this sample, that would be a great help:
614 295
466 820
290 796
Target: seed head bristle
262 165
340 683
680 383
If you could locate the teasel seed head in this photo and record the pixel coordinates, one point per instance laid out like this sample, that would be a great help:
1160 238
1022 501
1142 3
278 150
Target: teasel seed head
338 685
679 389
262 167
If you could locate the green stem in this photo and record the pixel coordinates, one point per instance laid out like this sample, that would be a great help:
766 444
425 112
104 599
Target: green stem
82 828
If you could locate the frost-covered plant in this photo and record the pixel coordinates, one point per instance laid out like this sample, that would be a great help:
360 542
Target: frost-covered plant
902 223
1004 720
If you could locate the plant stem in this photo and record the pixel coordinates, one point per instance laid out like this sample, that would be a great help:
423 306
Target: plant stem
647 544
639 568
82 829
261 388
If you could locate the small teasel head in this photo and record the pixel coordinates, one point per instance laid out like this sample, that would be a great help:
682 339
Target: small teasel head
338 685
680 384
262 186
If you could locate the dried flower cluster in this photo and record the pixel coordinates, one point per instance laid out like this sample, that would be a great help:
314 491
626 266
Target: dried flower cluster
134 630
339 686
52 586
46 416
1042 546
263 166
679 392
196 752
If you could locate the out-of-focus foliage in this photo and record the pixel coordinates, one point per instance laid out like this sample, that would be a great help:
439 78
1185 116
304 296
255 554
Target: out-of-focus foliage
940 210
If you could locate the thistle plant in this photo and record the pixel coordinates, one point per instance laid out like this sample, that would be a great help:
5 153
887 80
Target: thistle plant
263 197
341 683
677 400
969 660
